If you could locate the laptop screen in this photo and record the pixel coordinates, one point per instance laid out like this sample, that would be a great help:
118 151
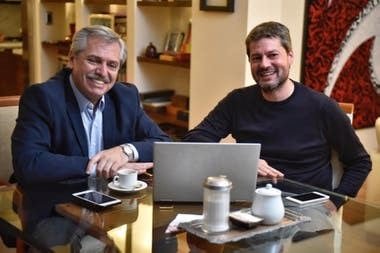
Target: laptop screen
180 169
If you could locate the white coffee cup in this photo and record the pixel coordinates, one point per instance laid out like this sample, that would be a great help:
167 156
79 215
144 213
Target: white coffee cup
125 178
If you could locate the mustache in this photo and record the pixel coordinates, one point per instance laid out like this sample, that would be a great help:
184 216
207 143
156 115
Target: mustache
267 69
98 77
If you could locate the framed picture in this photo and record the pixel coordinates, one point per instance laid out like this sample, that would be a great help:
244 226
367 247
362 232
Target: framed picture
217 5
102 19
174 42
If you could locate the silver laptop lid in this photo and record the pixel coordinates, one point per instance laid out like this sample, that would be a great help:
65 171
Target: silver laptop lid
180 169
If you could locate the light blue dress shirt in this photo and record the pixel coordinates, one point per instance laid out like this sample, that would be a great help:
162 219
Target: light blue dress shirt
92 119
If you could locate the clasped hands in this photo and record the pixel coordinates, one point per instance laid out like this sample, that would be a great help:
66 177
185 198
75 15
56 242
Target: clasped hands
109 161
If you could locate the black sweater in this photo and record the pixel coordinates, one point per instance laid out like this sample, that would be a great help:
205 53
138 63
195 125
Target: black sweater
297 135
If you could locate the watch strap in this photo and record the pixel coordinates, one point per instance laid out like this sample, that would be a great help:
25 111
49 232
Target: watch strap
128 151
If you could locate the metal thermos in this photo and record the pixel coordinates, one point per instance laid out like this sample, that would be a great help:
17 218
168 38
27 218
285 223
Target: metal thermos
216 204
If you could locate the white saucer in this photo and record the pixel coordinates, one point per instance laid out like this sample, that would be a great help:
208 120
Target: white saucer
139 186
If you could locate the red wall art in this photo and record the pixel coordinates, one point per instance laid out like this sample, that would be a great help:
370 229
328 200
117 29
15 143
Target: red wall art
342 54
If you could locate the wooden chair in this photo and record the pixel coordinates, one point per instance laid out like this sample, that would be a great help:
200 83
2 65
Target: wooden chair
337 166
348 108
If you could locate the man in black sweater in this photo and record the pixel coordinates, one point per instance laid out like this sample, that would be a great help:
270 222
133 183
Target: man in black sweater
297 127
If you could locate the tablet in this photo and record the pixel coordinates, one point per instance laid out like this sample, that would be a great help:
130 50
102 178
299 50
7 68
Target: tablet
308 198
95 200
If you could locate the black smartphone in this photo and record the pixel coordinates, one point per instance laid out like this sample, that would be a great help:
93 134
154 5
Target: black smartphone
95 200
308 198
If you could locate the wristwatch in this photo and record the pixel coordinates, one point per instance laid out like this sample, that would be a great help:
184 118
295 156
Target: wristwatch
128 151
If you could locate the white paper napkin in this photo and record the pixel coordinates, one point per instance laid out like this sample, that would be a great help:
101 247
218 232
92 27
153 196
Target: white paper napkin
172 228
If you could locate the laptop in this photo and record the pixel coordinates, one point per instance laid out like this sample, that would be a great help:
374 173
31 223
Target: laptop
180 169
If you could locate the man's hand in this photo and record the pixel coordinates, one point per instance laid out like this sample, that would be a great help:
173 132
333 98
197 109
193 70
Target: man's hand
267 171
140 167
109 161
330 206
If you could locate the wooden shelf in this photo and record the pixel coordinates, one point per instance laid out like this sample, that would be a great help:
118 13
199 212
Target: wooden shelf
63 46
181 64
167 118
56 43
175 3
122 2
57 1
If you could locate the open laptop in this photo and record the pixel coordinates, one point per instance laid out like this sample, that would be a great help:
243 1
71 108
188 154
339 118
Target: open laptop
180 169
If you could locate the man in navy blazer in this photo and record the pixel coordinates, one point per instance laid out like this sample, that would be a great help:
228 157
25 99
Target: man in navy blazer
49 142
80 122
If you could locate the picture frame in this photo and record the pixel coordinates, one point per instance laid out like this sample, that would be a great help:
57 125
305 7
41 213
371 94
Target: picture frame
173 42
102 19
217 5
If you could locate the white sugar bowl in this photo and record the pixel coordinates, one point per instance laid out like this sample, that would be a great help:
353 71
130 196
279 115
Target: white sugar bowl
268 205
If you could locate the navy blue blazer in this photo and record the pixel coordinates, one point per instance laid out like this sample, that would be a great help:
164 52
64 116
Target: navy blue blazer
49 142
49 145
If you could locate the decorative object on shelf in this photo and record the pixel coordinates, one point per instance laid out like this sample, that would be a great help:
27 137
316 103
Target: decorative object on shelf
173 42
186 46
102 19
121 26
167 57
184 55
217 5
151 51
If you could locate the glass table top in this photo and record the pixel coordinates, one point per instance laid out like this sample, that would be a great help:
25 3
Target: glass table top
138 225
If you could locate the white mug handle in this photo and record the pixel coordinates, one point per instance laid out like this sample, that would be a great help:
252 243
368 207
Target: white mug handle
116 180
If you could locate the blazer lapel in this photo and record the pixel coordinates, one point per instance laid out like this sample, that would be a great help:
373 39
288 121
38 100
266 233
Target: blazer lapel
109 124
76 119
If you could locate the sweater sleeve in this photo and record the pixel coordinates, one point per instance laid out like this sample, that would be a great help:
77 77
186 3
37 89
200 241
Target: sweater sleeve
356 161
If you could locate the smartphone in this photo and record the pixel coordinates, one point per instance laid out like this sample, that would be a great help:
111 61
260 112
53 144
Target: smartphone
95 200
308 198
